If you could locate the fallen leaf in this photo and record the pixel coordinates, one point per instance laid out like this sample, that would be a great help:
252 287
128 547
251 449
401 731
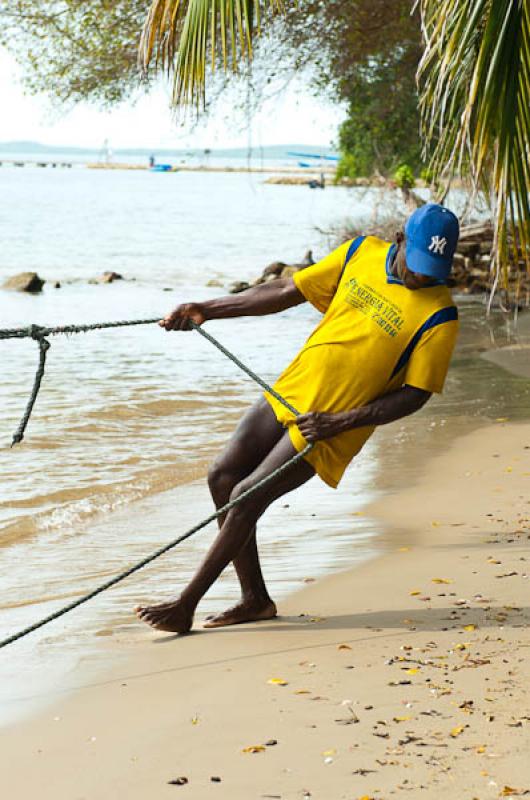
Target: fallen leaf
412 670
331 752
469 627
277 682
435 524
302 691
457 731
401 719
414 592
343 647
178 781
254 748
441 580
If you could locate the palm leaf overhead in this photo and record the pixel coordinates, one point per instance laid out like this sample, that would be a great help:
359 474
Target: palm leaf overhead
475 107
184 35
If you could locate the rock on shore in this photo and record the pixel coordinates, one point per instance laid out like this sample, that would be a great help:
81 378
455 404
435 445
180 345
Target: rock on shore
24 282
278 269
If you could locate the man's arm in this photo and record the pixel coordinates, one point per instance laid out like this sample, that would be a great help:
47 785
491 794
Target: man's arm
388 408
267 298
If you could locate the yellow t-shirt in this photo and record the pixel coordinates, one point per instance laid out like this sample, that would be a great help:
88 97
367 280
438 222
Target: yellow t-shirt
375 336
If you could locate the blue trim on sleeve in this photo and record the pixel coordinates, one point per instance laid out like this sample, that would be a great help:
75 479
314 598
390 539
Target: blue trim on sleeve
449 314
352 249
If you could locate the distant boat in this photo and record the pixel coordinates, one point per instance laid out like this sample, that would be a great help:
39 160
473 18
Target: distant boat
303 164
161 168
313 155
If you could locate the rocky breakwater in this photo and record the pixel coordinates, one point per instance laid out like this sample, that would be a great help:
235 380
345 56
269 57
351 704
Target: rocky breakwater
278 269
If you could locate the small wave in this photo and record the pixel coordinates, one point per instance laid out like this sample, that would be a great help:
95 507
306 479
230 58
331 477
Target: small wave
65 511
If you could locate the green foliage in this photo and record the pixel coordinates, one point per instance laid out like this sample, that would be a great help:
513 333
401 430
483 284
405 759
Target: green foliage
187 36
75 49
475 108
348 167
366 54
382 129
404 177
427 175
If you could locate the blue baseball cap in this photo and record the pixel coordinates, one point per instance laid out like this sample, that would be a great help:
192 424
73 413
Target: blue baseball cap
431 238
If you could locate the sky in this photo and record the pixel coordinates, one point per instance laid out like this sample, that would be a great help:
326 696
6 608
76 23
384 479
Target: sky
293 116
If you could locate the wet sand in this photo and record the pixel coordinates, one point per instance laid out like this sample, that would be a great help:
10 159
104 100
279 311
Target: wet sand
406 676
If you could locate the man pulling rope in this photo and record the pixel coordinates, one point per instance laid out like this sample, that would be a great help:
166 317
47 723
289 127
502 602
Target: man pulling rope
382 348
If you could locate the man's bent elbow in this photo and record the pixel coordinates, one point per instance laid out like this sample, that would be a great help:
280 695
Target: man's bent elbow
418 397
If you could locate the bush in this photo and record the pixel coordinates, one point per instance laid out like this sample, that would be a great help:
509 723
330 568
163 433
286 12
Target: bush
404 177
347 167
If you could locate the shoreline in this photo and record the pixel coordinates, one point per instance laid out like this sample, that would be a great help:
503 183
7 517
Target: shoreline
405 673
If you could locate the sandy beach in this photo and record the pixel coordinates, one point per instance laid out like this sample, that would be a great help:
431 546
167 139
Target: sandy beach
406 676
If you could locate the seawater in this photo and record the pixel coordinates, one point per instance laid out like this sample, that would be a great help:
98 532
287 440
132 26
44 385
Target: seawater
127 421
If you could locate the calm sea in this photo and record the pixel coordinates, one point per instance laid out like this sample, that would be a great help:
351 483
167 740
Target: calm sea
127 421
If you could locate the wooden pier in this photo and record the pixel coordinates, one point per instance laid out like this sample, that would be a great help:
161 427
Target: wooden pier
42 163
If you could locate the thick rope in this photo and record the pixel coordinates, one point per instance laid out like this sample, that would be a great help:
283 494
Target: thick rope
44 346
39 334
38 331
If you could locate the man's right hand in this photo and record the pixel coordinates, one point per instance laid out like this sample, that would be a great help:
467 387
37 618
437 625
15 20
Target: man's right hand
178 319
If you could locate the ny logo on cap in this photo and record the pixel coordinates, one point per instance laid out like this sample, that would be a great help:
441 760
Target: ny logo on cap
437 244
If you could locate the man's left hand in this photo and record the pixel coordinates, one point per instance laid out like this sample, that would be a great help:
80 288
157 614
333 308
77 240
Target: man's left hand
319 425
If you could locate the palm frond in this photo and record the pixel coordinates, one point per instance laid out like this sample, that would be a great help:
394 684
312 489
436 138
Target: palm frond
475 107
182 36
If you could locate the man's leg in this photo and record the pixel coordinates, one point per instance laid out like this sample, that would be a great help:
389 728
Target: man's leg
254 438
235 532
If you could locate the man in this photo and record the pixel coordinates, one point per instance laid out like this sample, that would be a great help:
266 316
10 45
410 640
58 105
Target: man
382 348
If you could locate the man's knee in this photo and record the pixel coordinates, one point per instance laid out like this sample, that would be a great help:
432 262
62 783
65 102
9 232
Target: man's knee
221 480
251 507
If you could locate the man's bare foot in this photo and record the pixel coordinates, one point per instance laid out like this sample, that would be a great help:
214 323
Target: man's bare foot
242 612
174 617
